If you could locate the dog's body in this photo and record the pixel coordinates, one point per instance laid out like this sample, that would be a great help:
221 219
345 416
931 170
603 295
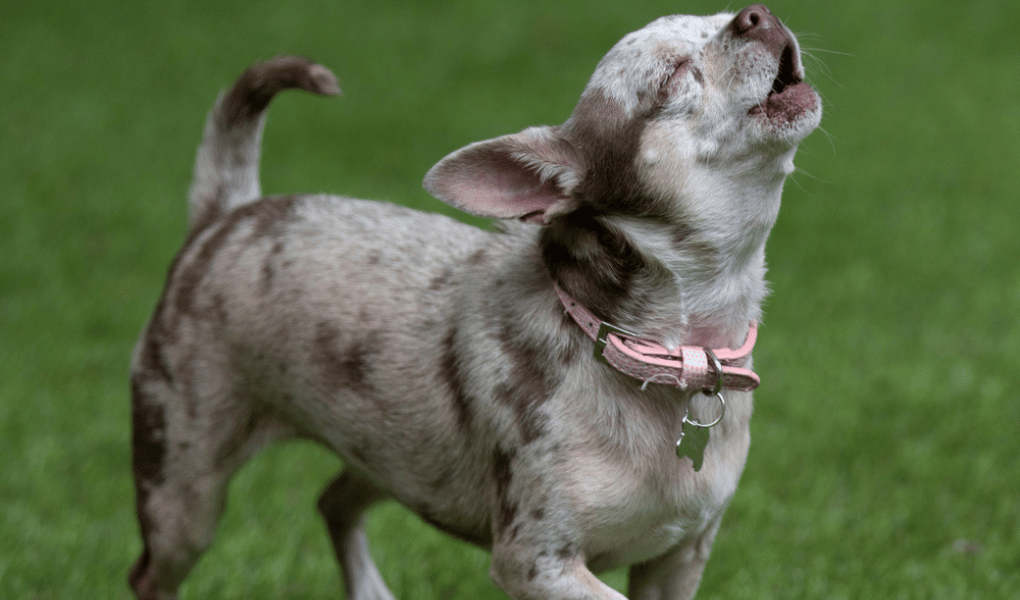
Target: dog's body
436 358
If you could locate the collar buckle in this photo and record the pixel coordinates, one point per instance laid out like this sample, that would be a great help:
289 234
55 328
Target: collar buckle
602 338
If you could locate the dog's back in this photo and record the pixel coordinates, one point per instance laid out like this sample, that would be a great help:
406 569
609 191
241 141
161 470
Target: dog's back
292 316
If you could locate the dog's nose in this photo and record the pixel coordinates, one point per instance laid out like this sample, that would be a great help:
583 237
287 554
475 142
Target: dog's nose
757 22
753 17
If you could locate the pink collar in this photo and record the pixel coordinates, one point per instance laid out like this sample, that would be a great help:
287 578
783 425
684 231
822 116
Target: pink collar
690 367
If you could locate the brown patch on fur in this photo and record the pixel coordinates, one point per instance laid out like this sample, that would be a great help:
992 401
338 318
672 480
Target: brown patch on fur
526 394
698 75
592 262
680 234
589 259
528 385
529 382
269 266
478 257
158 332
502 473
609 140
148 437
137 578
254 89
440 280
270 216
451 375
567 551
568 334
148 455
219 309
344 363
152 359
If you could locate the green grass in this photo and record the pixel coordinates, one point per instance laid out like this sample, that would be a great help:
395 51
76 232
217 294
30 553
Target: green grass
886 429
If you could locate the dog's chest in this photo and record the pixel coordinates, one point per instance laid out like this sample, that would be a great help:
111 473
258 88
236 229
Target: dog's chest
633 515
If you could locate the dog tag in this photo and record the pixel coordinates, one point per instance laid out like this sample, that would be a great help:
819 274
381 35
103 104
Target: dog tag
692 442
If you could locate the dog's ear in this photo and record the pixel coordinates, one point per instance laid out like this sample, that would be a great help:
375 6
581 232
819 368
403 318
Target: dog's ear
529 175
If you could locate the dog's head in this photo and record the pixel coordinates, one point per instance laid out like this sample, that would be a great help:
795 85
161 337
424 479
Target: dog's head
665 182
684 108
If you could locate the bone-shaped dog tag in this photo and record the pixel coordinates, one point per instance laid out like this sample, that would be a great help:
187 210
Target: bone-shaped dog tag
692 442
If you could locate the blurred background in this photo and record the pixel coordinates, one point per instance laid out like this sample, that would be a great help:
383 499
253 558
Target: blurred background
885 438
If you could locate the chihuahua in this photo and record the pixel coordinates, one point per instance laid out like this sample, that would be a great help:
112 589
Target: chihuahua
451 368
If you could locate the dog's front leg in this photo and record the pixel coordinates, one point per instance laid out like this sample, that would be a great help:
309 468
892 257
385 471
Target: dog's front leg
676 574
552 574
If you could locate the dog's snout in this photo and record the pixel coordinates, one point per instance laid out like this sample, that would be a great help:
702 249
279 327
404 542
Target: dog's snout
752 17
757 22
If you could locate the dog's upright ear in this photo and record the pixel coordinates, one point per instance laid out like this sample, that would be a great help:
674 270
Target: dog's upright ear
529 175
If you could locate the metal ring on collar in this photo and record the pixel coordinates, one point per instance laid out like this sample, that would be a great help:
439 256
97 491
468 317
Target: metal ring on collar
718 373
722 413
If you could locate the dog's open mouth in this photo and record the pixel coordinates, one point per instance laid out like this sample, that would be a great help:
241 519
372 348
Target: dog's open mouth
790 97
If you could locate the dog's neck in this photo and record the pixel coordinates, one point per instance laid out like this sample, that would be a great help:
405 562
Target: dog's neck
676 282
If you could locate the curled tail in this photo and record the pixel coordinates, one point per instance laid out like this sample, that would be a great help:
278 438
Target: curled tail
226 169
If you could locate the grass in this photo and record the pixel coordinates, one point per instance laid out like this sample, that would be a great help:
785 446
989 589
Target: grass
886 430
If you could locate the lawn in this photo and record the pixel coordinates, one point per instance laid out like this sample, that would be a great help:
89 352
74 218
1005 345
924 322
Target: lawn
887 428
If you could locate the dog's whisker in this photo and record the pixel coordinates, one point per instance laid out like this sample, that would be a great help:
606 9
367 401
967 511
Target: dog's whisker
823 68
828 51
816 178
830 137
726 72
793 178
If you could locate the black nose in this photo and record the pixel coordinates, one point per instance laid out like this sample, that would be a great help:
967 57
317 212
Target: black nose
756 22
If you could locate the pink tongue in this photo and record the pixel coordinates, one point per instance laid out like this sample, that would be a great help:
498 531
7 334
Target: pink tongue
790 103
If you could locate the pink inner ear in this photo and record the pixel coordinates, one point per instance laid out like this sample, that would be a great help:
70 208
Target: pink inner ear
501 177
495 185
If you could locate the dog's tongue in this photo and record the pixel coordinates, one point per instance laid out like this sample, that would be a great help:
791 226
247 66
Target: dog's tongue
790 103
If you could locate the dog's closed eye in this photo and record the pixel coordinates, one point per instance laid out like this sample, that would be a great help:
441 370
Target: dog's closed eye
671 79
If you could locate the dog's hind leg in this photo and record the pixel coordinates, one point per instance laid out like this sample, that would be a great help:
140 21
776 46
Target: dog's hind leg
185 449
343 505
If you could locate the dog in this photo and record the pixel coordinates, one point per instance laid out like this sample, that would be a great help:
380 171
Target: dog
560 392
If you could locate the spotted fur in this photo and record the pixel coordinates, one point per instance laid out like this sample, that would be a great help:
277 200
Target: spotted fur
436 359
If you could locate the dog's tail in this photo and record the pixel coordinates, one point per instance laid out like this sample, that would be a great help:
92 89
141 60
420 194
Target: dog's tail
226 170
